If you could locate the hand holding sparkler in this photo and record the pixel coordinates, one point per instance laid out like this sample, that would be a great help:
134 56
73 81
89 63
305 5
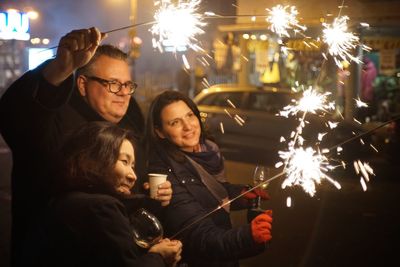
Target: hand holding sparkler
261 227
75 50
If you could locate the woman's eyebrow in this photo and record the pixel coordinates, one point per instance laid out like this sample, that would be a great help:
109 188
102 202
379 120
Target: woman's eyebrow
181 118
126 155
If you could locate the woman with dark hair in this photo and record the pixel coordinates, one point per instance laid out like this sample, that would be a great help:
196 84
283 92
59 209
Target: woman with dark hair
177 146
87 224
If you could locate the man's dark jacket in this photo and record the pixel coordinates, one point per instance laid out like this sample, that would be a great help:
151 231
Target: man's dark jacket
35 118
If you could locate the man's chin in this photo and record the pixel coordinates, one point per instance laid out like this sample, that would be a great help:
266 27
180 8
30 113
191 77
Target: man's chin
119 114
114 118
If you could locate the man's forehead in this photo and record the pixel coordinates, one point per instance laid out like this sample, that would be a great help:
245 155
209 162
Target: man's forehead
112 68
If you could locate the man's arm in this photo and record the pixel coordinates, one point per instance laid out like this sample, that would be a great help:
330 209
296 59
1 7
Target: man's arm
74 51
30 101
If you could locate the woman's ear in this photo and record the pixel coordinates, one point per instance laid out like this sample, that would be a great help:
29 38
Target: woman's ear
81 84
159 133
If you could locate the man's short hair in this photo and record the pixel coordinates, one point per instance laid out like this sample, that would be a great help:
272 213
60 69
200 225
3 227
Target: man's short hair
102 50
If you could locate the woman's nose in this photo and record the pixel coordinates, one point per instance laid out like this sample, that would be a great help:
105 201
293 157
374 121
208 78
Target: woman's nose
186 125
132 176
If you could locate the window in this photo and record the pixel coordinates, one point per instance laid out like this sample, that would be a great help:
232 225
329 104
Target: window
221 99
268 101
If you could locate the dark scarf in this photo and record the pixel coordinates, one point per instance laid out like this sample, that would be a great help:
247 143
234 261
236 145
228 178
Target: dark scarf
209 165
209 158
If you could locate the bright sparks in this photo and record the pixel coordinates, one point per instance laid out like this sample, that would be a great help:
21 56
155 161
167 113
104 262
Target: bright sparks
311 102
288 202
340 42
364 169
306 167
282 19
360 103
177 24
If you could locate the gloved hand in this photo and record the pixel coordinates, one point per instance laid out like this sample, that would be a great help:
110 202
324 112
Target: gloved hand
257 192
261 227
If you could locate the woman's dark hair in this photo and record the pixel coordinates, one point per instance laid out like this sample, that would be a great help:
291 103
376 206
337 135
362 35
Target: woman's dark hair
89 155
153 141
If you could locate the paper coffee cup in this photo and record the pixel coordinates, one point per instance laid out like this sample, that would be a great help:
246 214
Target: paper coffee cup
155 179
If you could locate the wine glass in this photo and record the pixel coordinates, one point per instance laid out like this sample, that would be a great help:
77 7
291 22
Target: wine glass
146 228
260 175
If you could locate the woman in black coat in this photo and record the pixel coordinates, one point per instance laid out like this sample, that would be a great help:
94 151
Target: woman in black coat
177 146
87 224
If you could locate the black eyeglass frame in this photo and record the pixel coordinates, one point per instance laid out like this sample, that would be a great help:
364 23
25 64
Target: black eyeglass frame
132 86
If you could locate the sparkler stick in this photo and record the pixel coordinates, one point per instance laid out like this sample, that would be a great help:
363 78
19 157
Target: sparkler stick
396 118
131 26
226 203
114 30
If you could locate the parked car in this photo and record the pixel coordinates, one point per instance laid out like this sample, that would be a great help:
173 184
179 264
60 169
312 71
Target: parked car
244 122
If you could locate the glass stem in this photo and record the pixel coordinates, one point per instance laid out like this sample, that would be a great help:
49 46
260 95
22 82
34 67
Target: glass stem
258 202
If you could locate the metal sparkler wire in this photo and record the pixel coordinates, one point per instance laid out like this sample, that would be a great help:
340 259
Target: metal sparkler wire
113 30
226 203
131 26
396 118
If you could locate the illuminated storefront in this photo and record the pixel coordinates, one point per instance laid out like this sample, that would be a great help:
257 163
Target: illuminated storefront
14 25
259 58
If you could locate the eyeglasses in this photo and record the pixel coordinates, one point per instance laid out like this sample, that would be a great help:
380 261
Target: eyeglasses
114 86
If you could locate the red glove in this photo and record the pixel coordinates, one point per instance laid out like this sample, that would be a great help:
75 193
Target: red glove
257 192
261 227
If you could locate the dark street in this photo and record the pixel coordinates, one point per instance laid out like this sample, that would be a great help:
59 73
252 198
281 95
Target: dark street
347 227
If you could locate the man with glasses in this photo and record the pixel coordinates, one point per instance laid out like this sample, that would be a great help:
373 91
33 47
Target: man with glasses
45 104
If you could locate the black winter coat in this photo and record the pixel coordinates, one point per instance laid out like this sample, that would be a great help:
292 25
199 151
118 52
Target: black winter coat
86 229
35 117
212 241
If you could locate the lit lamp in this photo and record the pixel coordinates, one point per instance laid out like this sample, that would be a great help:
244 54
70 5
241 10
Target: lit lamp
32 14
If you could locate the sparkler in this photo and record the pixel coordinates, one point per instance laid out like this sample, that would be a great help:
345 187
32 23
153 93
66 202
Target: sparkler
312 101
340 42
306 167
177 24
282 19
